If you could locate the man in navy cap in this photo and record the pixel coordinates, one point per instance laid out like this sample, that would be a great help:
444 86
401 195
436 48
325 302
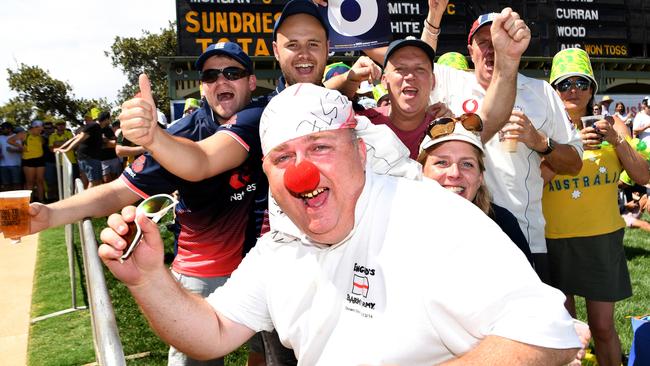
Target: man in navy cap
214 212
409 78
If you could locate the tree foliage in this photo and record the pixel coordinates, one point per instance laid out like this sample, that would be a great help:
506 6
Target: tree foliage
43 97
141 55
17 112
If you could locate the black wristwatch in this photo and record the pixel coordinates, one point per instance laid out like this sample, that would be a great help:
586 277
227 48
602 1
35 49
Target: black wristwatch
550 146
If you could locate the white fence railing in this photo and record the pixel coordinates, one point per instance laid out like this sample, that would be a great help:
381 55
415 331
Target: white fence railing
108 347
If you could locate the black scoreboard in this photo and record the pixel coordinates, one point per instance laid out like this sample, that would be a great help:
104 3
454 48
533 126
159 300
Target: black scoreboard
604 28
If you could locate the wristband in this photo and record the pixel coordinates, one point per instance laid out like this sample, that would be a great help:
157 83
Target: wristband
431 25
434 35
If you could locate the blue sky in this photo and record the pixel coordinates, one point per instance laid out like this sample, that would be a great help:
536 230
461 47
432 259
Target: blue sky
68 38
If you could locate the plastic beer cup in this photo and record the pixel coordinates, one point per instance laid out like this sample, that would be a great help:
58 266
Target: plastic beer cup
14 213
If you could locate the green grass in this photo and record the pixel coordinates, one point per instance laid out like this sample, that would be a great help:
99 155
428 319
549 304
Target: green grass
637 251
67 339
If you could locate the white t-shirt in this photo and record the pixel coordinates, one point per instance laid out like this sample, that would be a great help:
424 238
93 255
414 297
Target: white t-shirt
9 158
641 120
514 179
421 279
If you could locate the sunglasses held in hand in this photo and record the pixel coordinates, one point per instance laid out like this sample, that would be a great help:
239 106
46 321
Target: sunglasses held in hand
154 207
230 73
446 125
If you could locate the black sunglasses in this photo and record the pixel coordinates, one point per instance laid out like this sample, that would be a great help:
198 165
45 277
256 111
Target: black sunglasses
445 125
230 73
582 84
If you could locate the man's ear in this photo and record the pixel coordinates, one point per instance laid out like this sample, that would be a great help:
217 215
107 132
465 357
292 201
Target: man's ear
470 52
252 83
361 146
275 51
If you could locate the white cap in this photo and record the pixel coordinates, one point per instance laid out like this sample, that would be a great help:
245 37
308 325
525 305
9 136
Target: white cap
459 134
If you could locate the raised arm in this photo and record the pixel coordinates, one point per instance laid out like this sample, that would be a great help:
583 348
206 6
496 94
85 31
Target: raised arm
187 159
510 38
431 26
180 318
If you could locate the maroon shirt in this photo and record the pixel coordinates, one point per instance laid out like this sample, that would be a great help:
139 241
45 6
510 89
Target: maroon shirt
411 139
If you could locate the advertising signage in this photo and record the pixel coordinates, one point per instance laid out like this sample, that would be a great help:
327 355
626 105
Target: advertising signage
598 26
247 22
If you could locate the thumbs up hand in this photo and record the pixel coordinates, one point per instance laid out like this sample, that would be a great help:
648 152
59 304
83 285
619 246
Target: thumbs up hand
138 119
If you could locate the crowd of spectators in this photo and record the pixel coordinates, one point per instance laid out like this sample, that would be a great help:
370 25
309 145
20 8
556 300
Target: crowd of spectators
521 150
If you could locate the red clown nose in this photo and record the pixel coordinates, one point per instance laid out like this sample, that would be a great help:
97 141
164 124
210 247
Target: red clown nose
302 178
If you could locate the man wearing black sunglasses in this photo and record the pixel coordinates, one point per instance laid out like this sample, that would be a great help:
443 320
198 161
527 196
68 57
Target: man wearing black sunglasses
539 123
214 212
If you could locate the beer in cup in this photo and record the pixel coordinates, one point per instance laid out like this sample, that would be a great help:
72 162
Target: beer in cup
509 144
14 213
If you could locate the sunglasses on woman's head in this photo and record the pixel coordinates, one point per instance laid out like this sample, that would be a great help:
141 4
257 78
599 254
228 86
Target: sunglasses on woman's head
445 125
582 84
230 73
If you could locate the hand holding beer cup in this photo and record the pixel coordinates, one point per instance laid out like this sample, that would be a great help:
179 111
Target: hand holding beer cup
509 134
590 134
521 129
139 120
14 213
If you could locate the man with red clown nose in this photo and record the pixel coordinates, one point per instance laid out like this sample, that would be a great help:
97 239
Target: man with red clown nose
359 267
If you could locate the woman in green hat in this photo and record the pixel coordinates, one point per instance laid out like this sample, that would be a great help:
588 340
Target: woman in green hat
584 230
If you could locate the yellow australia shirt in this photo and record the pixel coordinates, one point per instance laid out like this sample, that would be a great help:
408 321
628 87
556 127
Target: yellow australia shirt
33 147
67 135
585 205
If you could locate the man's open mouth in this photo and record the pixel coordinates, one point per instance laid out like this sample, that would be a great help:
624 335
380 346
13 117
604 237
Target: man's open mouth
315 198
225 96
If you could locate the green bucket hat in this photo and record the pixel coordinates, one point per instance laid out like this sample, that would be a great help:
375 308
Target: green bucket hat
453 59
572 62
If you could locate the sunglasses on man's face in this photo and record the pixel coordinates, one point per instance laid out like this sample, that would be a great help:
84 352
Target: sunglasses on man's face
445 125
230 73
582 84
154 207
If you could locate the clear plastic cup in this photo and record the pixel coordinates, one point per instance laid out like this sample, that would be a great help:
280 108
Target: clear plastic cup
509 144
14 213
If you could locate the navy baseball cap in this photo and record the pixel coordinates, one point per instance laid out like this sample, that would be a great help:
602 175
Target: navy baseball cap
410 41
229 49
482 20
294 7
